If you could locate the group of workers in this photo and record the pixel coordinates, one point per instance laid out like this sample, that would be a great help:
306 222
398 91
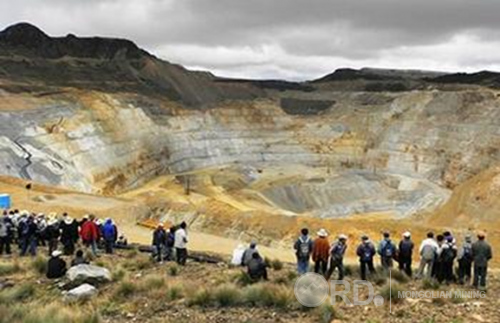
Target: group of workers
437 256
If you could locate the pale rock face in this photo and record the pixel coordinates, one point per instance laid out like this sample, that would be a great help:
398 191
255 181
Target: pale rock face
396 153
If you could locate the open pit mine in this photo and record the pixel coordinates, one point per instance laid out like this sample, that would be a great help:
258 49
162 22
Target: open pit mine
100 125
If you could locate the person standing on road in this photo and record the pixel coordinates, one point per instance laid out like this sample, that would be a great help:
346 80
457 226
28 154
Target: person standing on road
481 254
180 244
303 250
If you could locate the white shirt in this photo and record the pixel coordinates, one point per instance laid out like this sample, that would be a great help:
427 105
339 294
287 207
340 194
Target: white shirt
180 239
427 242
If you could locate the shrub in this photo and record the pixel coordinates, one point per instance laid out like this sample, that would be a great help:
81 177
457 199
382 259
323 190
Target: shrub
391 293
118 274
126 289
17 293
39 265
153 282
9 268
242 279
132 253
276 264
400 276
430 283
291 275
379 278
173 270
326 312
227 295
267 295
174 292
201 297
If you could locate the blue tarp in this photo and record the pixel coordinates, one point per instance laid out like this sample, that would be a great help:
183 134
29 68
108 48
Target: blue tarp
4 201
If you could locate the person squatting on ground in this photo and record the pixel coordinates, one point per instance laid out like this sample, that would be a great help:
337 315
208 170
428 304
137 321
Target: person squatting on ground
56 267
321 253
366 252
303 249
180 244
337 252
256 267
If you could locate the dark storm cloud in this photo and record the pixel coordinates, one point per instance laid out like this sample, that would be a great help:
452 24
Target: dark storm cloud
284 38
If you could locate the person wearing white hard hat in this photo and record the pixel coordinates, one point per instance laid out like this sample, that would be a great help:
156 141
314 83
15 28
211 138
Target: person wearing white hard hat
321 252
337 252
52 233
56 267
405 255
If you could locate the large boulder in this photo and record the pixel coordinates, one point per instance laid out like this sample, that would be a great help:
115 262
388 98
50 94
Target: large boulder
89 274
81 292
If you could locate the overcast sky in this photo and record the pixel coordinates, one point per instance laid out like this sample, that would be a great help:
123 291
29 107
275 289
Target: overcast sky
290 39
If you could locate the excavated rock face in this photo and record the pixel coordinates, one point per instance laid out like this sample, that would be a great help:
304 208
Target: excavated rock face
113 117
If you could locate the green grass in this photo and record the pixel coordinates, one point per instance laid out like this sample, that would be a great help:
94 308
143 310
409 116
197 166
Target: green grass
17 293
227 295
326 313
174 292
173 270
39 265
201 297
126 289
276 264
429 283
118 275
242 278
388 292
9 268
400 276
153 282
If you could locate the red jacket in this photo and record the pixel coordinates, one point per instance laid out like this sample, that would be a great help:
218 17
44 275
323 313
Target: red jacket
89 231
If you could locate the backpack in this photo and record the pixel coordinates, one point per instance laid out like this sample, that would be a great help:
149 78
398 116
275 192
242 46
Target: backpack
467 255
170 240
388 250
447 254
304 249
367 252
428 253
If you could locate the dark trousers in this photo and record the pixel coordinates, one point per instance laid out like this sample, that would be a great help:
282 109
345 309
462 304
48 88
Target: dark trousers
68 247
448 271
181 256
321 265
158 252
52 245
108 246
405 265
30 243
386 263
336 264
363 265
480 273
437 271
464 271
5 245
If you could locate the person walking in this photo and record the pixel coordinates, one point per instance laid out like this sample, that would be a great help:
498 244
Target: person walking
465 261
428 253
387 251
303 250
366 252
159 241
180 244
405 254
321 252
337 252
481 254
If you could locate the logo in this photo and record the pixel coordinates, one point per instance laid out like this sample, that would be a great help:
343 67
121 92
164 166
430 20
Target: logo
311 289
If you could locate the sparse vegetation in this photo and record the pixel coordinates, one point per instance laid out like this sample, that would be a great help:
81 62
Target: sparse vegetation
39 265
173 270
429 283
227 295
400 276
201 297
17 293
126 289
242 278
391 292
326 313
276 264
9 268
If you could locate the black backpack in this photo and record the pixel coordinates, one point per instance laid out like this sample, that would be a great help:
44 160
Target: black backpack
304 248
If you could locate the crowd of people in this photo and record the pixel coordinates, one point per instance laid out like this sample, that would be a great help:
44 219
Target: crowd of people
29 231
438 256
